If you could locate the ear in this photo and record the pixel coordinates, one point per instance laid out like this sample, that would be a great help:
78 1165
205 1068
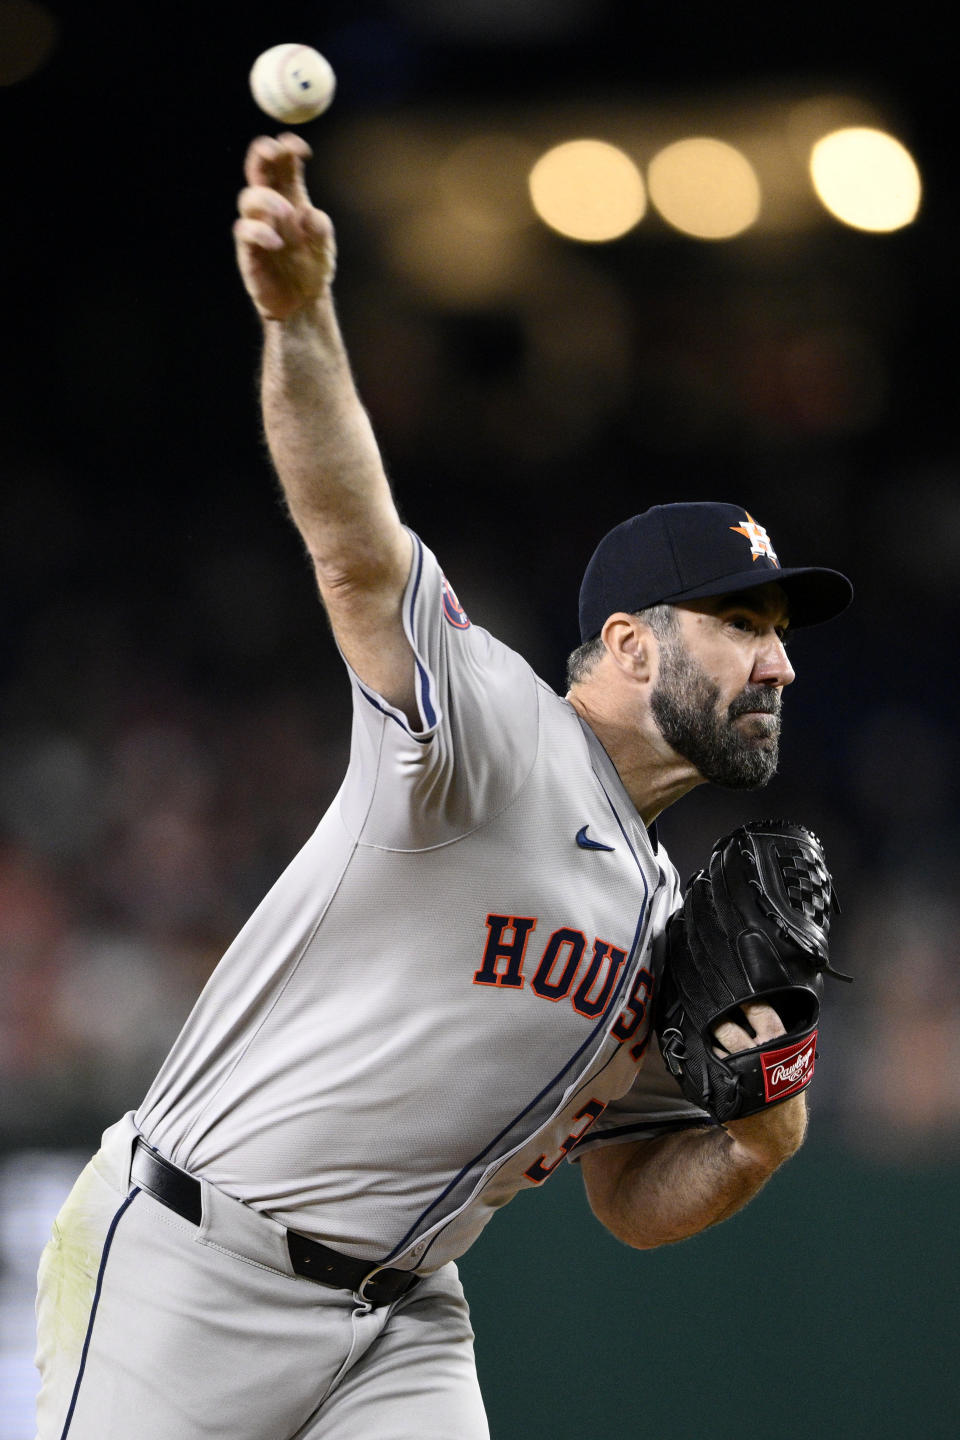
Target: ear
631 644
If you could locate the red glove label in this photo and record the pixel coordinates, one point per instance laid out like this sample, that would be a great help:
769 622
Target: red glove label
788 1069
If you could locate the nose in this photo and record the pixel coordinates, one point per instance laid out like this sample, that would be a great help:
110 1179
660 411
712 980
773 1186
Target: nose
772 667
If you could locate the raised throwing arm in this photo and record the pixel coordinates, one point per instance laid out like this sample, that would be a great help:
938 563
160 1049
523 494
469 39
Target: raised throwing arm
319 434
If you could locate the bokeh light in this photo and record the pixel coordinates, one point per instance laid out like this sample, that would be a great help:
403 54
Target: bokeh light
588 190
866 178
705 188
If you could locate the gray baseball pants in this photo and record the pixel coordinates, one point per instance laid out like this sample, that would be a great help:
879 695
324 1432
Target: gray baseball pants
151 1326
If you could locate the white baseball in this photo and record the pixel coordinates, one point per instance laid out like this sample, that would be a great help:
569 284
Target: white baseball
293 83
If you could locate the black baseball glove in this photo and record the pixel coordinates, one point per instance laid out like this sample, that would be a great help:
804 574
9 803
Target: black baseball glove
754 926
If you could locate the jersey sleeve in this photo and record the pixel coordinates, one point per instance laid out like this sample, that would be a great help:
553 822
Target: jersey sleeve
410 787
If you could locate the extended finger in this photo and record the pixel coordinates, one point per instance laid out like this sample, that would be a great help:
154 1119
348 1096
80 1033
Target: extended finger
259 160
257 233
295 144
259 202
298 152
278 164
293 225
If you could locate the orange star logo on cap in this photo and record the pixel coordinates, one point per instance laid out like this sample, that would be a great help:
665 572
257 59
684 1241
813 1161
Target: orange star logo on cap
760 543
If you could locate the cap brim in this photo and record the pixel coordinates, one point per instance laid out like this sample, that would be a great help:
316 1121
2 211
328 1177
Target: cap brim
813 594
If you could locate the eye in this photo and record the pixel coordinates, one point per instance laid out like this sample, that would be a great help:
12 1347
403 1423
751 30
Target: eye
747 623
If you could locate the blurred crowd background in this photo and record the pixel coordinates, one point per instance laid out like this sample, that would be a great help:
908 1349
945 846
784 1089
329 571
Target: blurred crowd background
173 719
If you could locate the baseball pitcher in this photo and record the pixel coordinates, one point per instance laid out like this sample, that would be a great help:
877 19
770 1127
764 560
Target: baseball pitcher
479 966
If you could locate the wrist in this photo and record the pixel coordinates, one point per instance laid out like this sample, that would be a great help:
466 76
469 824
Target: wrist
771 1136
306 338
307 316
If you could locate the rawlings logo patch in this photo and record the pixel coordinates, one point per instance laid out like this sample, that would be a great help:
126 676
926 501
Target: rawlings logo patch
789 1069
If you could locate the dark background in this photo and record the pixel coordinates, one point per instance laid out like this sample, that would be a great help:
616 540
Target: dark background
173 717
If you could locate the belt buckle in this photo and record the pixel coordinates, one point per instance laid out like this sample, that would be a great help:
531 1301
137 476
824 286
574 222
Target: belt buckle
371 1275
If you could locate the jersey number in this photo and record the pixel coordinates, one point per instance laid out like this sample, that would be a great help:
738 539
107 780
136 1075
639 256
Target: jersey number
543 1167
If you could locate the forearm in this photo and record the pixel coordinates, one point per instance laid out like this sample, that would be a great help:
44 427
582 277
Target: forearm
321 441
320 438
671 1188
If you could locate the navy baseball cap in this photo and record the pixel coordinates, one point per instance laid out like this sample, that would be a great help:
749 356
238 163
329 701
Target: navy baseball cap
691 550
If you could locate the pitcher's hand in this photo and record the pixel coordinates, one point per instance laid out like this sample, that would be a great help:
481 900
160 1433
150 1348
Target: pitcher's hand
286 248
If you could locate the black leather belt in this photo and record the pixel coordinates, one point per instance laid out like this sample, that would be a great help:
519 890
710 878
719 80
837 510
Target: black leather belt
181 1193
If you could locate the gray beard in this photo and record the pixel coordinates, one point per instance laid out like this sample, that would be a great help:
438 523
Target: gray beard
685 705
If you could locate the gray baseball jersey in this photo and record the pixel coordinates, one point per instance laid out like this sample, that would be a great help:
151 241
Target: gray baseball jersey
448 989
